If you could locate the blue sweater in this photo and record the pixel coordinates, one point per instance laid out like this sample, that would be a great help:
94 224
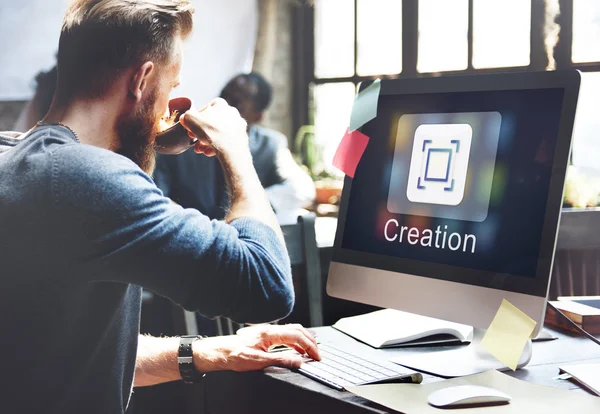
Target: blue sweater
81 230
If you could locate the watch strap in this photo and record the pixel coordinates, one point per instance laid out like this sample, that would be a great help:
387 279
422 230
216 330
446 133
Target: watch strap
185 359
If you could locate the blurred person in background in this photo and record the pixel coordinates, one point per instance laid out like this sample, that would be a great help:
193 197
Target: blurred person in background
199 183
38 106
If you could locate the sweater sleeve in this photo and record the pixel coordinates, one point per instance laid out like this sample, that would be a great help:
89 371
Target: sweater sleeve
119 227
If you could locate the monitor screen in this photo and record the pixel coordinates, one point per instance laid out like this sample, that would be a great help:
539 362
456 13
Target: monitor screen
455 185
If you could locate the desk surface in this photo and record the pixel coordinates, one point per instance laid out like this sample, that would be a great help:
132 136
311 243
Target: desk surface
282 391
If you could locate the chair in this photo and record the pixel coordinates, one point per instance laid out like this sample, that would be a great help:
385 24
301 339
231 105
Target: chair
301 243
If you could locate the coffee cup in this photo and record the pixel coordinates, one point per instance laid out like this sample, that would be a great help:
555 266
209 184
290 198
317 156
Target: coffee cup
175 139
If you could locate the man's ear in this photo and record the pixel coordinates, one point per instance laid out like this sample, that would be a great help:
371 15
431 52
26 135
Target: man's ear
139 80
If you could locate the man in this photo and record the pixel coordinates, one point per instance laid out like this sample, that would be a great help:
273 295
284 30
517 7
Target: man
83 227
288 187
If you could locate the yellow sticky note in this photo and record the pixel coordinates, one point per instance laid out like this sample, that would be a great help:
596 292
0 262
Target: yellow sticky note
508 333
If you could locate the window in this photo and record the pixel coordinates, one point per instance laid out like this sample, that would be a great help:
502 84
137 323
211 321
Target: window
333 104
355 40
585 56
379 29
334 38
501 33
443 42
586 31
586 142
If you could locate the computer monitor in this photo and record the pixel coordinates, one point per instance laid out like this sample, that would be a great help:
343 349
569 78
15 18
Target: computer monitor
456 201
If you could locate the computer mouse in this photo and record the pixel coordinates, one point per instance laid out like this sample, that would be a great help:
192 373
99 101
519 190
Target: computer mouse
467 395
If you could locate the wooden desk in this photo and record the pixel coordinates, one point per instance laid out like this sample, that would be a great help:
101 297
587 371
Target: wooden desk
282 391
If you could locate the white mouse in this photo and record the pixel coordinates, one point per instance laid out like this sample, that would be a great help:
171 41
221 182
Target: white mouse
466 395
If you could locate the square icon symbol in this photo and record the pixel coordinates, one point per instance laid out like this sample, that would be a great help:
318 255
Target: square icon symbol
437 167
439 164
443 165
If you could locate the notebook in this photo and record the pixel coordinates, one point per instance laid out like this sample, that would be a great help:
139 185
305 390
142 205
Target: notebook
587 375
587 317
593 301
392 328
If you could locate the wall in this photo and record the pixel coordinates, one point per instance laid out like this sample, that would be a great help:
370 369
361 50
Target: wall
32 27
273 59
221 46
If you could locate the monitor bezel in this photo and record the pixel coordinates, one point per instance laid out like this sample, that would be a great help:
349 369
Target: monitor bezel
568 80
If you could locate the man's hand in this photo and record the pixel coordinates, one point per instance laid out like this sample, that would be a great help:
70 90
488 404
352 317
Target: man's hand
248 350
219 128
221 131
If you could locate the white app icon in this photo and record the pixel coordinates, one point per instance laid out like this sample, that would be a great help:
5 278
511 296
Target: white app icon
439 163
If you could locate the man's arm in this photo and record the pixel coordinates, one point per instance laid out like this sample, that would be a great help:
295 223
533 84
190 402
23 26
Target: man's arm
221 131
123 229
157 357
156 361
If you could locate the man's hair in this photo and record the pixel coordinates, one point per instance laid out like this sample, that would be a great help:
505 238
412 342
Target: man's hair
261 91
99 38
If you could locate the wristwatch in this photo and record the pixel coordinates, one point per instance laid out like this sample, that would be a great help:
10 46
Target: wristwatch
185 359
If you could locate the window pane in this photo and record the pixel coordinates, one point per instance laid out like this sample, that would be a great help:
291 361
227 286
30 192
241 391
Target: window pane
586 31
586 138
334 38
379 37
501 33
443 28
332 107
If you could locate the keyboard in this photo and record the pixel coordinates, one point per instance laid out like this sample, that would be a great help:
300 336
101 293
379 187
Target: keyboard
340 369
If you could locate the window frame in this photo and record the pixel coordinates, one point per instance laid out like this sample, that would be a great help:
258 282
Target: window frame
304 48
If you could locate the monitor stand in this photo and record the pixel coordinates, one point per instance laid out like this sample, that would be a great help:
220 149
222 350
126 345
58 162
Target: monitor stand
460 361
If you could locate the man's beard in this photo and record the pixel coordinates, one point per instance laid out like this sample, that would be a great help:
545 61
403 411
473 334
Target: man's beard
137 134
